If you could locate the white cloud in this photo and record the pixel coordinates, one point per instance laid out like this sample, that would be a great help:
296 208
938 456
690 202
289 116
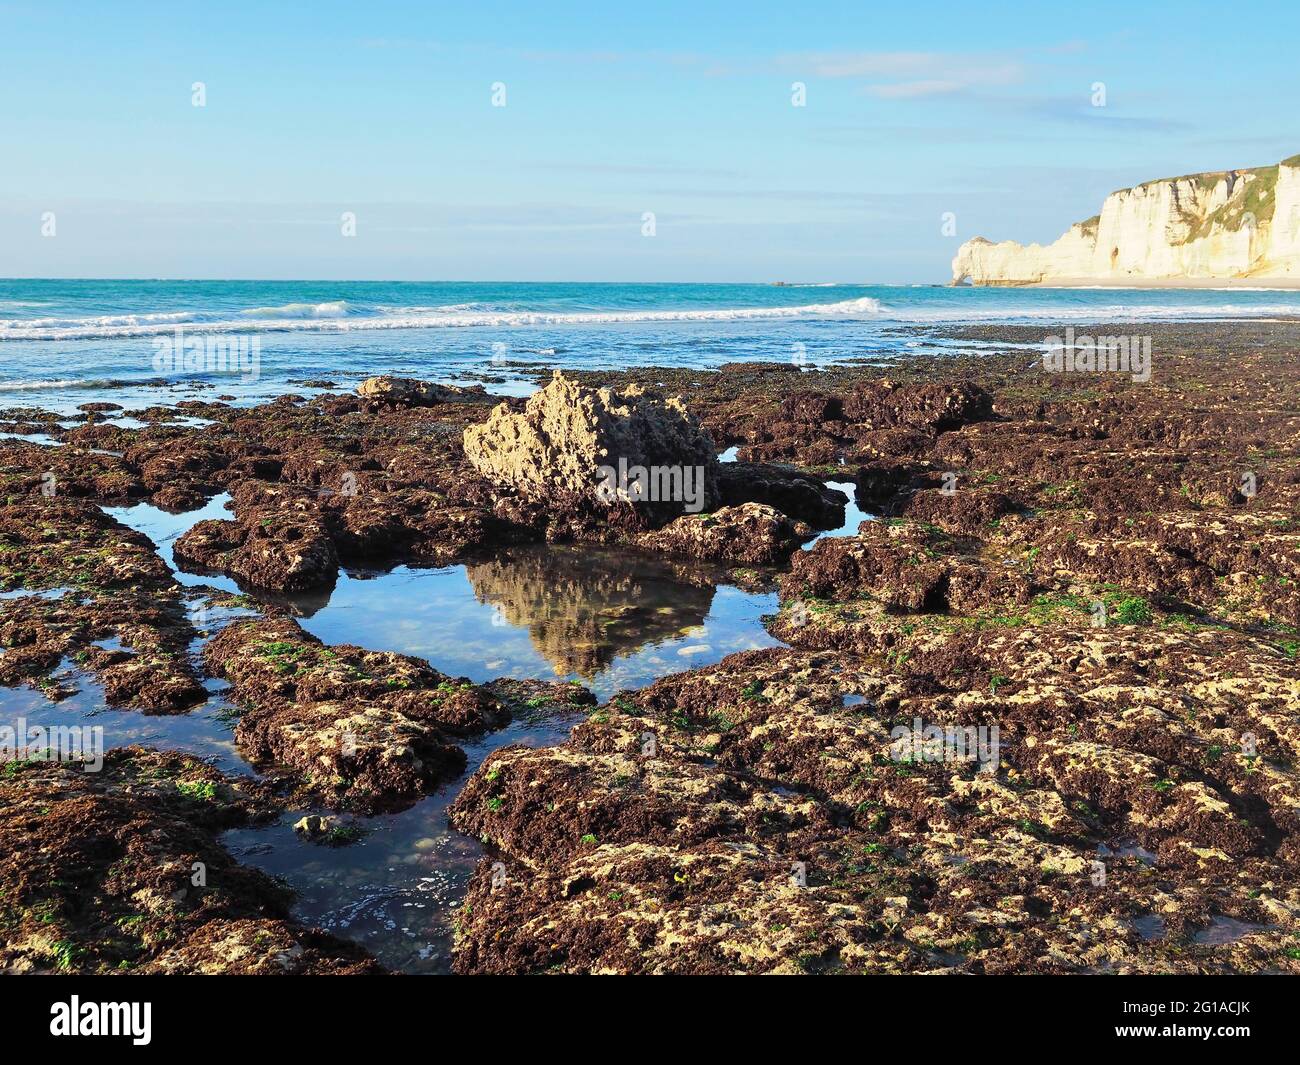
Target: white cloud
904 90
912 75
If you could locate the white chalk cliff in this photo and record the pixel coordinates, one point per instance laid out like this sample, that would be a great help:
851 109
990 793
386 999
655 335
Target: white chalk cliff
1229 224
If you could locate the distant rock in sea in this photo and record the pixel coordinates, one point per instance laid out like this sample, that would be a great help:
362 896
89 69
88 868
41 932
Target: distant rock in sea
1226 224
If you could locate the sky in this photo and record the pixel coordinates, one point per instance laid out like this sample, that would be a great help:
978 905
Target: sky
652 143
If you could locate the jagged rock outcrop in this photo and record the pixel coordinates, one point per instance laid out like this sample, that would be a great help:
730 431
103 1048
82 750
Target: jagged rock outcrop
1224 224
599 445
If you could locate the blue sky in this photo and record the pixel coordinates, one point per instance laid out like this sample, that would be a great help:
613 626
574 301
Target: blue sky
684 110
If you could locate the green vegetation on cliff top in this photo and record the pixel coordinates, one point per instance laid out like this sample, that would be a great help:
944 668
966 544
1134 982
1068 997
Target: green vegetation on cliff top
1253 197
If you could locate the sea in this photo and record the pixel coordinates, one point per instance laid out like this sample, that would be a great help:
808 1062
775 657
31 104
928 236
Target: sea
67 342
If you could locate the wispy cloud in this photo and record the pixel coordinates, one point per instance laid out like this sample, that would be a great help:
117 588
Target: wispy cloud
912 75
1077 111
639 169
910 90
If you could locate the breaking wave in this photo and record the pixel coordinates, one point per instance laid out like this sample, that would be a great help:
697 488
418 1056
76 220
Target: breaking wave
340 316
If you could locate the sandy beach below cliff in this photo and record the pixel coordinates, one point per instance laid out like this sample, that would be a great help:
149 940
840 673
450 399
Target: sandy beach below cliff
1282 284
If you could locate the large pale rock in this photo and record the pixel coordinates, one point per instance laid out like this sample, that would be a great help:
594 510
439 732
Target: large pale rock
1229 224
570 437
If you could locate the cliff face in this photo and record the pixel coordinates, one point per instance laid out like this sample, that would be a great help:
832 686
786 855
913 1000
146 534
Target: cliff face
1235 223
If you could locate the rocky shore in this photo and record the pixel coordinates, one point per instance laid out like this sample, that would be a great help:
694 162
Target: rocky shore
1039 713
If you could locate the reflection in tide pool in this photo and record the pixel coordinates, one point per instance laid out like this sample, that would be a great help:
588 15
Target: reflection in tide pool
610 619
854 515
164 528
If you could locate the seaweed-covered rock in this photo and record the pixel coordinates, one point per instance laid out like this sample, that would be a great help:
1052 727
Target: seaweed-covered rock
907 567
286 549
759 816
90 580
121 870
750 534
927 407
789 491
359 729
387 390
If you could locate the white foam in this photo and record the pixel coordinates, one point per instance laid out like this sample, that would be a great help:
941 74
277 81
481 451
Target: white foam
339 317
36 386
344 317
333 309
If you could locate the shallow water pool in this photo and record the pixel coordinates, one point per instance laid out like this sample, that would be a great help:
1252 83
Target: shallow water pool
610 619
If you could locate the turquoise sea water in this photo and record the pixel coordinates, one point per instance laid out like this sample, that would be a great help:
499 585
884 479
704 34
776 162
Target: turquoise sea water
64 342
